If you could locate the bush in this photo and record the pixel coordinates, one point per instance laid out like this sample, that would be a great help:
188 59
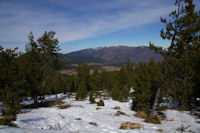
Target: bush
8 120
91 98
64 106
44 104
154 120
100 103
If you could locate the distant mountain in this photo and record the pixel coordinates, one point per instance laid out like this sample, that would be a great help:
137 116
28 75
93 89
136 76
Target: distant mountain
115 54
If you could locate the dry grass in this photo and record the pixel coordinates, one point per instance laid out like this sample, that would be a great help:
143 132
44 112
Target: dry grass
64 106
163 108
182 128
98 108
68 72
141 114
93 123
160 130
183 108
130 125
94 64
44 104
111 68
118 113
117 108
154 120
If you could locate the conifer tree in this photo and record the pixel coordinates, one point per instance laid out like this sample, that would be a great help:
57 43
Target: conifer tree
12 80
142 88
91 97
50 56
81 91
181 58
95 81
32 68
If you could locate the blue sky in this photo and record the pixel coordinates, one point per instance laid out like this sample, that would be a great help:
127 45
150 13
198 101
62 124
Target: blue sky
84 23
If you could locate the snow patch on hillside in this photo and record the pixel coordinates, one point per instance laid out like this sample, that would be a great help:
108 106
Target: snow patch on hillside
77 118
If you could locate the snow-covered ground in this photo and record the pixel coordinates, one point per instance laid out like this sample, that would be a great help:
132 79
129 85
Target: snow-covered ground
77 118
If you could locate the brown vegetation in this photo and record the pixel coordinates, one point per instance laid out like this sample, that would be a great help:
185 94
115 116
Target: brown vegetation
130 125
154 120
44 104
141 114
160 130
64 106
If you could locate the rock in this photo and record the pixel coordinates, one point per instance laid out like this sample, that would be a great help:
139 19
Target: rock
160 130
78 119
93 123
118 113
100 103
130 125
117 108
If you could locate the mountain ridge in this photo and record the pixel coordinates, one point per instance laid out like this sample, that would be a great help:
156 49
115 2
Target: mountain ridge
118 54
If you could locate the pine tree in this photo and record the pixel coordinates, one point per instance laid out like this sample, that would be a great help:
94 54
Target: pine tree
83 74
181 58
81 91
142 88
12 80
91 97
49 55
95 81
33 63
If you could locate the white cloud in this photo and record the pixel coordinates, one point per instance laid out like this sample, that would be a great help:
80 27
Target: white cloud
77 21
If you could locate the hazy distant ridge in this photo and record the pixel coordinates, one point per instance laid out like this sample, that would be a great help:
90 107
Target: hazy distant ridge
118 54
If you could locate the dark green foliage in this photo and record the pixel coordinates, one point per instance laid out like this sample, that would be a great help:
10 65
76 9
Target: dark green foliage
8 120
81 91
82 82
115 93
95 82
100 103
32 66
12 80
91 98
124 95
147 80
142 88
119 83
181 59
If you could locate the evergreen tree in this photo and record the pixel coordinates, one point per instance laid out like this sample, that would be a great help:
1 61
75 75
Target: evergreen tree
181 58
95 81
91 97
32 68
115 93
81 91
83 74
142 88
50 56
12 80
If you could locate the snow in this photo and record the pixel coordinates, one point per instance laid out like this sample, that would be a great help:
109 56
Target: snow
81 113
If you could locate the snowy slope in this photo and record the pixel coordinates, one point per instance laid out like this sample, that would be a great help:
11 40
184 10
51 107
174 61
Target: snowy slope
78 117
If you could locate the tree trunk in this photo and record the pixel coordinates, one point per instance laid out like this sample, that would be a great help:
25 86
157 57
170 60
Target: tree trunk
155 102
35 100
55 87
